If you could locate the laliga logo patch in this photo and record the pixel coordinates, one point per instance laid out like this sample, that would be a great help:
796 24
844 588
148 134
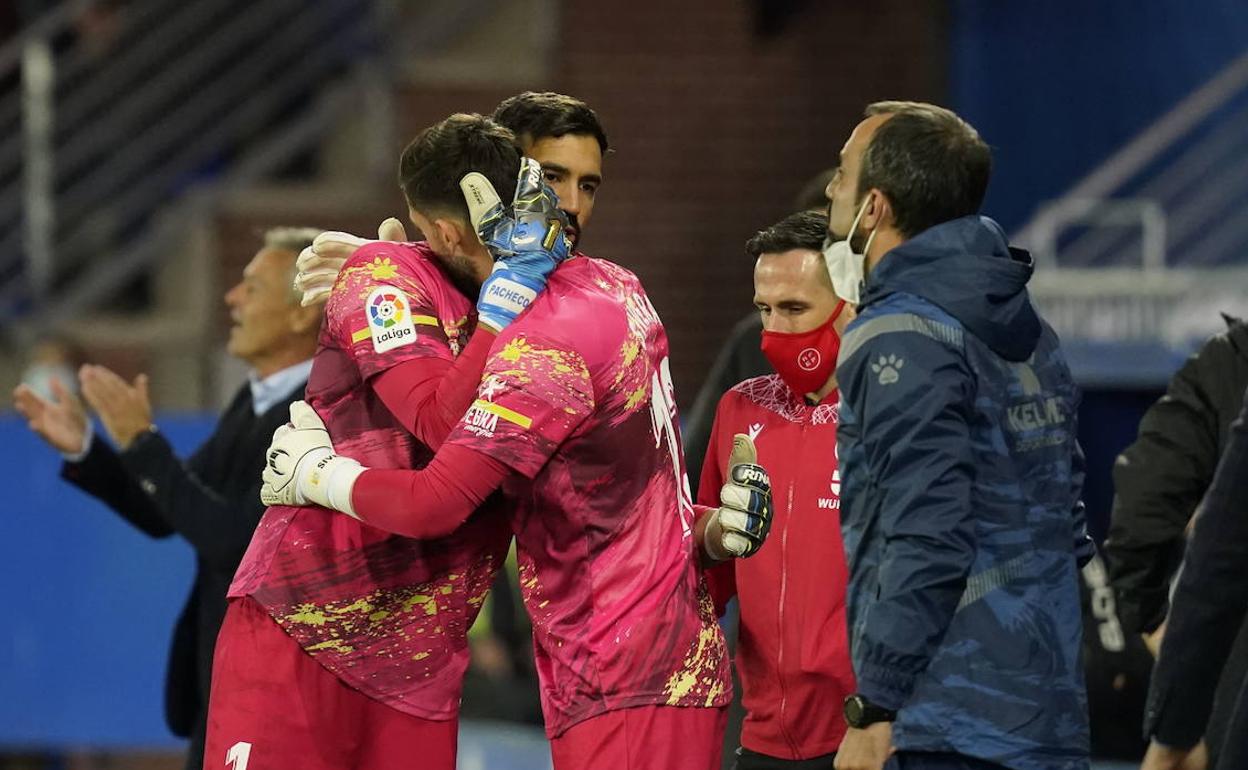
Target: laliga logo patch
809 359
389 319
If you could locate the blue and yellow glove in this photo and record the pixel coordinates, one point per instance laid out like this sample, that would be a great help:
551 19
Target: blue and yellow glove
528 241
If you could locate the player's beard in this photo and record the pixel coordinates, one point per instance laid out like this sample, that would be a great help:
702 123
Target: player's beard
575 227
459 270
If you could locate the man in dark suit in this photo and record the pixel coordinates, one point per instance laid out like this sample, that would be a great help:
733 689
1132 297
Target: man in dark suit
211 499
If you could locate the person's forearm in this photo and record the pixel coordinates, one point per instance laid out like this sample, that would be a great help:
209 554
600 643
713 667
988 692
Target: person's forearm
703 522
101 474
217 526
428 503
896 650
428 396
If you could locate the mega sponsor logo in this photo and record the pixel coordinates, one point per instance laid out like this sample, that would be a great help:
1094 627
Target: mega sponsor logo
481 423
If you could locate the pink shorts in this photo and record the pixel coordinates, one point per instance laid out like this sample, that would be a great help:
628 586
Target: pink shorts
273 707
644 738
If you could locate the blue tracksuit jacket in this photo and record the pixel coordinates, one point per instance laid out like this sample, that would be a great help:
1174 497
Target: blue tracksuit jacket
961 513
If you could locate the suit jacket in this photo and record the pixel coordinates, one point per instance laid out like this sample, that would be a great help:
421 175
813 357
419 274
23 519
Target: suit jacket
213 501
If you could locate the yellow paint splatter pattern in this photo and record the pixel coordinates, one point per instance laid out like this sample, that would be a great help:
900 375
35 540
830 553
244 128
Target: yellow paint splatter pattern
633 363
701 679
409 626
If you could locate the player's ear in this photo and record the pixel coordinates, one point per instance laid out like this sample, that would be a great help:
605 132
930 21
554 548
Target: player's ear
444 237
459 235
879 212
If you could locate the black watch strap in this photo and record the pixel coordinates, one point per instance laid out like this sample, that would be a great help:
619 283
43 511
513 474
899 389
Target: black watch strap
860 712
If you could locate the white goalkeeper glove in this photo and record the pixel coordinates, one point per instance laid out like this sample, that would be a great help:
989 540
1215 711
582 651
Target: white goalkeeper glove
319 264
301 468
739 527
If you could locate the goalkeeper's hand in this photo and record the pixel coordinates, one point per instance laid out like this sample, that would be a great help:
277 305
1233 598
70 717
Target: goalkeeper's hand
301 468
739 527
319 264
528 241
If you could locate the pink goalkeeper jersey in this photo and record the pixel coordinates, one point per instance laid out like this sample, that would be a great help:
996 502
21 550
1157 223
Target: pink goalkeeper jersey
387 614
577 399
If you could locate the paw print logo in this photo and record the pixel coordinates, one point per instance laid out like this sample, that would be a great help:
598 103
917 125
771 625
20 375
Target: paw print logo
888 367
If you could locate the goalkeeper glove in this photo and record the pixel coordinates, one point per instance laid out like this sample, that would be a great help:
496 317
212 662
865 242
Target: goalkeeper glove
319 264
302 469
740 525
527 242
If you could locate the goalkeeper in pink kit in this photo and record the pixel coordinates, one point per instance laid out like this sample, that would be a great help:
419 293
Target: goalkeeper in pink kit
575 422
345 645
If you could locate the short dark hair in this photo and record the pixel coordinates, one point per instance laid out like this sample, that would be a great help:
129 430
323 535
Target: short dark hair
432 165
534 115
930 163
803 230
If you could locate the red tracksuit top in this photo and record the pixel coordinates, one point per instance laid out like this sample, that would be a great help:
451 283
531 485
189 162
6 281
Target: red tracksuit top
793 647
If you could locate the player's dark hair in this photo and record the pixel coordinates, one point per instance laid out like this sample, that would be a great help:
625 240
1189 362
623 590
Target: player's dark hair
803 230
432 165
931 164
533 115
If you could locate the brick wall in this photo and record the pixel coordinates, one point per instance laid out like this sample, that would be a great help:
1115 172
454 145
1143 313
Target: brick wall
716 130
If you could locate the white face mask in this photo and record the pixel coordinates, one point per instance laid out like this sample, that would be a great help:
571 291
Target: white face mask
847 269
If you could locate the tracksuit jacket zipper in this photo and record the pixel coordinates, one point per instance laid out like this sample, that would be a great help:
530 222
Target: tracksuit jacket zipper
784 583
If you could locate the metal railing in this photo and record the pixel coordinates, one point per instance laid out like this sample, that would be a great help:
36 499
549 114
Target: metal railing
103 137
1148 248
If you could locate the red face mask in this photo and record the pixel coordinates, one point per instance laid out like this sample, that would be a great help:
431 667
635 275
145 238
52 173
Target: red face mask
805 361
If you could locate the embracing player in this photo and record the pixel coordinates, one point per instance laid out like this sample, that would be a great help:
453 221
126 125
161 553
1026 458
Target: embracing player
576 422
344 645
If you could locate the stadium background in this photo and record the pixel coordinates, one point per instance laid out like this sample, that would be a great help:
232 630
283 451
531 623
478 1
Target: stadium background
146 143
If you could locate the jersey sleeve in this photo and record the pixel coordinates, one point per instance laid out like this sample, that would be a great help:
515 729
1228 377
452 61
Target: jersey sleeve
383 312
721 579
534 393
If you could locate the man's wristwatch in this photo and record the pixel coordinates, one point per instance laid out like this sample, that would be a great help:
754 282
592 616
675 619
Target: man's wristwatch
860 712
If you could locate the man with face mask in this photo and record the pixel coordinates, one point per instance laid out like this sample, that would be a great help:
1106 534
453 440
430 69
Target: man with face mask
962 521
740 357
792 648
